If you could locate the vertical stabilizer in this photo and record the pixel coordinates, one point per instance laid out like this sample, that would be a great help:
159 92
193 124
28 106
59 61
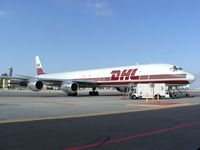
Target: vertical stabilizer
39 68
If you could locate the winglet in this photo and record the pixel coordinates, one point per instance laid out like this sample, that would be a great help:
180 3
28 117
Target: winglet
39 68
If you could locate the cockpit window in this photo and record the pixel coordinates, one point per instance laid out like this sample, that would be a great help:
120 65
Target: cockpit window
176 68
180 68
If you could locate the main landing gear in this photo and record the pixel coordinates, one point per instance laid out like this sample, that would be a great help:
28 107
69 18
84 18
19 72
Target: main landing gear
94 92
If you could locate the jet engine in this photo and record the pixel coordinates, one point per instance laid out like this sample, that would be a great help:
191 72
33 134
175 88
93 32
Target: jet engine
69 87
35 85
121 89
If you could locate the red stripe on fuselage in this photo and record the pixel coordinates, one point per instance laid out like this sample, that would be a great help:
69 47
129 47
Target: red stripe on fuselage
147 78
167 76
144 77
137 82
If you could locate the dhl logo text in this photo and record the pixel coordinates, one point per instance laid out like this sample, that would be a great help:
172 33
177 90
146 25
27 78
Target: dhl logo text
127 74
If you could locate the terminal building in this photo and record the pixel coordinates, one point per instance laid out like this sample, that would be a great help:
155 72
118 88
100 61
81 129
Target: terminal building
5 83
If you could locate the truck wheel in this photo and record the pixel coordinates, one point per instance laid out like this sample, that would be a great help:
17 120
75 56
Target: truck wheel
173 96
133 97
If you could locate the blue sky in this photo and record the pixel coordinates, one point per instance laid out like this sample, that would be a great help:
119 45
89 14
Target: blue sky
85 34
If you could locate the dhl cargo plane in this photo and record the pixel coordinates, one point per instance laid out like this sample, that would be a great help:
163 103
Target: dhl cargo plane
119 78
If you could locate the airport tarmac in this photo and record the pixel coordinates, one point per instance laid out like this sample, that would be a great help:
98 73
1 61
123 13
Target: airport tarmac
51 120
27 105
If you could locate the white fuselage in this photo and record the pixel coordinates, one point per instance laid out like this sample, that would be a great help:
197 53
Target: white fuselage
122 76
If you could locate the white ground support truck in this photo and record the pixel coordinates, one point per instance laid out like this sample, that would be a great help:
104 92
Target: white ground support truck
149 90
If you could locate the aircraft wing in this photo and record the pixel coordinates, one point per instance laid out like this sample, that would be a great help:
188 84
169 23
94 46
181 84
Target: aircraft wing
82 83
49 81
16 77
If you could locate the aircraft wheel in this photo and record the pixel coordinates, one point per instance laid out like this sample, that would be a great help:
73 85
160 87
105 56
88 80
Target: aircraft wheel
94 93
91 93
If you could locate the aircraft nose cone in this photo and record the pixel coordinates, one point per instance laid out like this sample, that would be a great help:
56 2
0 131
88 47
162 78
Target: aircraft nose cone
191 78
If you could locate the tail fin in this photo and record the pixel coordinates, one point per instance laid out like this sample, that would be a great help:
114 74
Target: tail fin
39 68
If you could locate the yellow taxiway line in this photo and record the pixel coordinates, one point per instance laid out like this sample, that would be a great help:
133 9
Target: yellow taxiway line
157 105
69 117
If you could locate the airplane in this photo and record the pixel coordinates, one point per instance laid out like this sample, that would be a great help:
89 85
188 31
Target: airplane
119 78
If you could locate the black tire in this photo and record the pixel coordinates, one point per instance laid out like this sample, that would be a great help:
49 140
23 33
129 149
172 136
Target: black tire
91 93
133 97
95 93
173 96
156 96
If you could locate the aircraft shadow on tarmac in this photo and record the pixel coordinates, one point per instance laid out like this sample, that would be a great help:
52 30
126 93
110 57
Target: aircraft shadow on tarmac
51 94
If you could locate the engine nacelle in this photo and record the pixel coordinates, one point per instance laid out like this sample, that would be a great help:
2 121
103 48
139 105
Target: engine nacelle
23 84
121 89
69 87
35 85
